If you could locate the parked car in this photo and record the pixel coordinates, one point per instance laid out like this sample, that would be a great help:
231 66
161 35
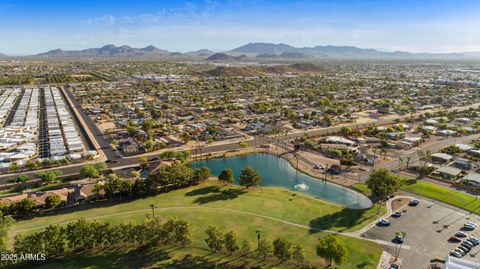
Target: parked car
319 166
460 251
473 241
464 249
397 214
468 226
455 254
472 223
470 245
413 202
394 266
383 222
472 238
454 239
461 234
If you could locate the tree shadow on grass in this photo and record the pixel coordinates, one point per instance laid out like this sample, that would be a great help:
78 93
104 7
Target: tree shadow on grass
223 195
363 265
203 191
195 262
341 220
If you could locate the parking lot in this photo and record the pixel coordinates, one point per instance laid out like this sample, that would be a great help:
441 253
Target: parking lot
428 227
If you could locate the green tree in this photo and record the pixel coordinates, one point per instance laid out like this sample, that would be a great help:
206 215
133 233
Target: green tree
246 247
249 177
22 179
53 201
49 176
226 176
214 240
264 248
332 249
201 174
383 183
231 241
185 137
23 207
89 171
243 144
282 249
298 253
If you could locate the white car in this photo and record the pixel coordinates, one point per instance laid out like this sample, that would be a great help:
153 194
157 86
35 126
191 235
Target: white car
461 234
472 223
384 222
469 226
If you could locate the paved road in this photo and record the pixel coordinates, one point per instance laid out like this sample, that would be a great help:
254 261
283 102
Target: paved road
256 141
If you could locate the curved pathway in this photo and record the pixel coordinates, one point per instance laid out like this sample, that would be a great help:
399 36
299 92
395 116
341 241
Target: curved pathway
356 234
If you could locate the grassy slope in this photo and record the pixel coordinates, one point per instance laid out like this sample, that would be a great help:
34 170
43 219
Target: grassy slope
446 195
267 201
271 202
456 198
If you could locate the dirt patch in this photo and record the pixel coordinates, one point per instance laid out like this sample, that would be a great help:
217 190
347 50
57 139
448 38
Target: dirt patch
399 203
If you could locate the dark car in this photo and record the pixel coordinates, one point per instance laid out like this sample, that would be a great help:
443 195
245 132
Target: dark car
397 214
464 249
413 202
153 159
454 239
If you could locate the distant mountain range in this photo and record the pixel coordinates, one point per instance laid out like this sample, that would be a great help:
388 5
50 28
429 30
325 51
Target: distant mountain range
270 50
250 51
106 51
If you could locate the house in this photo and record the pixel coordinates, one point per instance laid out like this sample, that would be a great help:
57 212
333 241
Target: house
441 157
446 133
464 147
448 173
472 179
462 120
87 193
461 163
339 140
428 128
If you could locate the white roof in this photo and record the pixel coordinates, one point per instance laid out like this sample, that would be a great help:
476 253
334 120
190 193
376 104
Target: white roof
456 263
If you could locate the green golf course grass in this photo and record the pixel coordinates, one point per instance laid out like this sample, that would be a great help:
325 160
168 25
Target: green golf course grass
446 195
275 211
267 201
456 198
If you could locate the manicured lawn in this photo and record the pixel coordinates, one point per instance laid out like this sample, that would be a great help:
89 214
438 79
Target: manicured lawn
229 208
361 188
456 198
194 258
271 202
360 252
446 195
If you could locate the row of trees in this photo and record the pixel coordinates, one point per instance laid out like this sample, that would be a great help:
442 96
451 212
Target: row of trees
280 248
57 240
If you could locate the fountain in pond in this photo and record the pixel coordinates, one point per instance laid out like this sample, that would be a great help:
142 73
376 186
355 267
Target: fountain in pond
301 187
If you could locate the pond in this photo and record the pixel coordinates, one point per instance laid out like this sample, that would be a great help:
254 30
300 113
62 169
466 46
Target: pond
278 172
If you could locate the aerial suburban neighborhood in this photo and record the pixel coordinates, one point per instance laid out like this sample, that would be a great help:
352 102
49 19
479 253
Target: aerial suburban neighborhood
193 148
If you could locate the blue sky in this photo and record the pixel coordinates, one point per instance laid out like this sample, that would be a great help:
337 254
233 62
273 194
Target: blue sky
418 26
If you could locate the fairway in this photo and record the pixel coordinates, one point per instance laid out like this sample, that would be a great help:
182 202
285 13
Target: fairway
274 211
265 201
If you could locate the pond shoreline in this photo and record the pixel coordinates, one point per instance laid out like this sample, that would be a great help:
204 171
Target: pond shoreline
285 177
273 151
